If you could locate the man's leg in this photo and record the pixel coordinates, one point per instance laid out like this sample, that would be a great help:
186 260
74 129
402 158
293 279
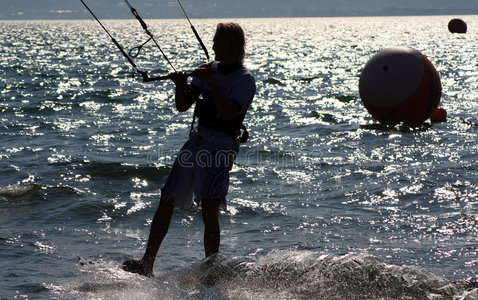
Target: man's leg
159 229
212 232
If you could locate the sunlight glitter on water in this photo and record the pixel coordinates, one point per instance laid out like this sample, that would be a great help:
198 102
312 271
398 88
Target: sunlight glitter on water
311 176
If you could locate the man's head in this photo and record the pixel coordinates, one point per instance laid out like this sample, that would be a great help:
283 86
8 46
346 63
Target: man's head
229 41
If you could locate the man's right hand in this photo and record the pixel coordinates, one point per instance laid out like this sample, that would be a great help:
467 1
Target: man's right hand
179 78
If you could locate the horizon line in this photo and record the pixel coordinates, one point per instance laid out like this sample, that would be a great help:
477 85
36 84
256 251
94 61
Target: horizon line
261 17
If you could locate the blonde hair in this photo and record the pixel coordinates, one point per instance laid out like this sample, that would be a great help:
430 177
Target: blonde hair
233 34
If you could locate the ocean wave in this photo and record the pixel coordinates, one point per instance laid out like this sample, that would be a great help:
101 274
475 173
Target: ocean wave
117 170
26 200
16 191
277 275
19 193
311 275
282 82
345 98
327 117
274 81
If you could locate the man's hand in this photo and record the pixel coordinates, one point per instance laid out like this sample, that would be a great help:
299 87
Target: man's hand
205 73
179 78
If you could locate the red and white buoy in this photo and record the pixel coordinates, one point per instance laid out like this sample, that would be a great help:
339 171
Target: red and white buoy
400 84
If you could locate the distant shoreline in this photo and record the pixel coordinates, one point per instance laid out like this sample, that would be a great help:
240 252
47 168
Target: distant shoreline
222 18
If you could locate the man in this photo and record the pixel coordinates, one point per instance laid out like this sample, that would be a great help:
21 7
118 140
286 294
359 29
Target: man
203 164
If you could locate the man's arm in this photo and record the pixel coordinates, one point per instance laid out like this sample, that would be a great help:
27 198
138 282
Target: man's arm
186 93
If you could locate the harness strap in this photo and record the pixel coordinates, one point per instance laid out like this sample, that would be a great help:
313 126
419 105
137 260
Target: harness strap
244 137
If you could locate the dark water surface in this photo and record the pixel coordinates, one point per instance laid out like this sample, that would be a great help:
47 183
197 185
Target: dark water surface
320 206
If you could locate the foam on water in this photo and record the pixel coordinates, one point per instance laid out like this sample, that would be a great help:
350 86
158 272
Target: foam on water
277 275
11 192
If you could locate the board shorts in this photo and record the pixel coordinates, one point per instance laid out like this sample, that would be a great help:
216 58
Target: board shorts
201 169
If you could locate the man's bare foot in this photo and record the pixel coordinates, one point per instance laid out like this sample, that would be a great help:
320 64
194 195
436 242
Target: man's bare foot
136 266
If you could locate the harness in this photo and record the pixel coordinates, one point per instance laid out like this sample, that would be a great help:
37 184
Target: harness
209 117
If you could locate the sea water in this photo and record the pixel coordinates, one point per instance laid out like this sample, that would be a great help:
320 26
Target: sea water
321 204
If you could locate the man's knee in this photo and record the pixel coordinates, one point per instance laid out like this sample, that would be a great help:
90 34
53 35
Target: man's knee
210 205
165 205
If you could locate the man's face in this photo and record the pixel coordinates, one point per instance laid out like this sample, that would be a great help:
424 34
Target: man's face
222 50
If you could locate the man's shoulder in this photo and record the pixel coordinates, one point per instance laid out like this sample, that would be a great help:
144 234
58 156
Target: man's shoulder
246 74
245 70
